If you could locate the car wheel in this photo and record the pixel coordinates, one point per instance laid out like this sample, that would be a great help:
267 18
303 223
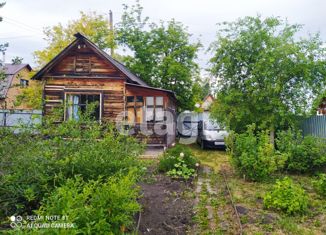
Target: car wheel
202 145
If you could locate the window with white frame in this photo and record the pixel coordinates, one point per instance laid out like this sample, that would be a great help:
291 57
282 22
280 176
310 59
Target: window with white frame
154 109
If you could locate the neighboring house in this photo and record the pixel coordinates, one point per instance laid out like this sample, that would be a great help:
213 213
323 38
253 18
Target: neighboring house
82 73
322 108
16 78
207 102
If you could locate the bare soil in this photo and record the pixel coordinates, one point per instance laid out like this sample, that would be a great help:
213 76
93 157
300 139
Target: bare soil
167 205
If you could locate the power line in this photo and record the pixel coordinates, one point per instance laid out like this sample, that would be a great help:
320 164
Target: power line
23 24
16 37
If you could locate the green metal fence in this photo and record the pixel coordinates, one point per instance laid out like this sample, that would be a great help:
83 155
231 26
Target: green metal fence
315 126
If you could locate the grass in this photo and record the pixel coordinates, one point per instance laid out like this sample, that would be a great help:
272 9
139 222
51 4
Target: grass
250 195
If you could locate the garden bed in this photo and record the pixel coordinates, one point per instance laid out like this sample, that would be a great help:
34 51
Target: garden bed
167 205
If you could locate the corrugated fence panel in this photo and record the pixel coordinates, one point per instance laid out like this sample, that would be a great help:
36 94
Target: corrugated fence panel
11 118
315 126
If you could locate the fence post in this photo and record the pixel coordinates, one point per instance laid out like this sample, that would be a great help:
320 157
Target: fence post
4 118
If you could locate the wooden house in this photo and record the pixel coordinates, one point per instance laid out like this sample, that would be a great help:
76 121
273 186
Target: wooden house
16 78
82 73
207 102
322 108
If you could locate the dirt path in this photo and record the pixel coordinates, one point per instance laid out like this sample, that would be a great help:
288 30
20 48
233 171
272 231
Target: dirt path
214 211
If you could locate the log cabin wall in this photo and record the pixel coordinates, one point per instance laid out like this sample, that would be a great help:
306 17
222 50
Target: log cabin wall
82 71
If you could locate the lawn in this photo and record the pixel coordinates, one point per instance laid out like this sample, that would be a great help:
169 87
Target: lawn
248 197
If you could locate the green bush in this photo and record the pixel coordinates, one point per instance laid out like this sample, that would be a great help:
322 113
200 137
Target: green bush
287 197
306 154
103 206
181 170
253 155
170 158
36 161
320 184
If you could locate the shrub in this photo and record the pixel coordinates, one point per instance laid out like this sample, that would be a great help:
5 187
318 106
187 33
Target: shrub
35 161
103 206
253 155
320 184
305 154
170 158
287 197
181 170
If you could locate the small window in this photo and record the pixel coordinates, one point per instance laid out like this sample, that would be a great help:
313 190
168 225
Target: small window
149 114
24 83
130 99
159 101
159 114
77 103
150 101
139 99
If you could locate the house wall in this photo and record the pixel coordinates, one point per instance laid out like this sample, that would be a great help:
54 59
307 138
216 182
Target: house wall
111 90
83 71
322 108
15 90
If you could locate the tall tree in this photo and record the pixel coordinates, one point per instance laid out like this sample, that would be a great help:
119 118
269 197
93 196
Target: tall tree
163 55
93 25
266 75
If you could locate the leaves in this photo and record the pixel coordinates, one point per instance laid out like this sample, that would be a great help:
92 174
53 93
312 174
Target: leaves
287 196
93 25
266 75
163 54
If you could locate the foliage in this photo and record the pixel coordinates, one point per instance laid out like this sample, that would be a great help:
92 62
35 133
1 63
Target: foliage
305 154
93 25
31 96
287 197
96 207
253 155
266 74
17 60
181 170
163 54
2 74
3 48
170 158
320 184
318 101
45 157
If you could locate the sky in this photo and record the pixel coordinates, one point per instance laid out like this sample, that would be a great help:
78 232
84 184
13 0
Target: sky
24 20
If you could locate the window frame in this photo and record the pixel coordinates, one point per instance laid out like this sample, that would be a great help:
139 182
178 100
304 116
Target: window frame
100 94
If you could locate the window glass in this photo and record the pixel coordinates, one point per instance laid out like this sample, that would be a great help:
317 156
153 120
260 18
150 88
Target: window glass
77 103
149 114
24 83
130 99
159 100
159 114
150 101
139 99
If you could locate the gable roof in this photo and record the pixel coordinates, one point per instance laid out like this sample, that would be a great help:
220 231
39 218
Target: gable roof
10 70
79 37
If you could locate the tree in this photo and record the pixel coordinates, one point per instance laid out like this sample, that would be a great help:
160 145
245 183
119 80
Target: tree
163 55
91 24
1 5
17 60
3 47
266 75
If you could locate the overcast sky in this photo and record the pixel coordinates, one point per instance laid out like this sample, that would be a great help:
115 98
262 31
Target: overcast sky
25 19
